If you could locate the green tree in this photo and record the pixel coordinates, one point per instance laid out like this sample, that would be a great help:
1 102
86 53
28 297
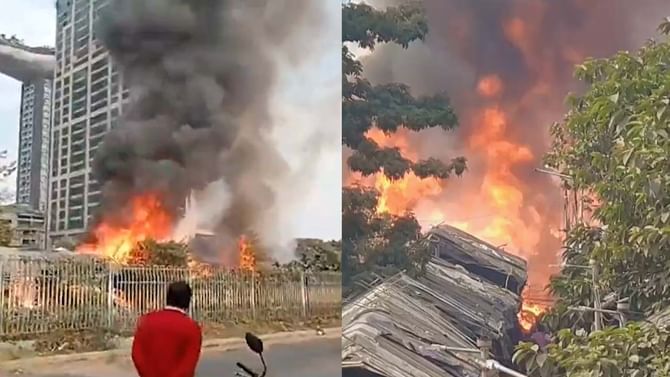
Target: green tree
614 352
371 239
573 286
389 106
378 243
615 143
318 255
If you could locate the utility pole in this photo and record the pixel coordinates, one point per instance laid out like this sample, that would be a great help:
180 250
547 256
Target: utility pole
484 344
622 311
623 307
597 305
573 214
578 218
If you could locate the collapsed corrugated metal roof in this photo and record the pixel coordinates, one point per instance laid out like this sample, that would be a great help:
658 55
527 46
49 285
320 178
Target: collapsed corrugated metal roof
479 257
400 327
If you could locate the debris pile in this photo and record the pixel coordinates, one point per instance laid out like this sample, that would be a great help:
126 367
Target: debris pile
470 290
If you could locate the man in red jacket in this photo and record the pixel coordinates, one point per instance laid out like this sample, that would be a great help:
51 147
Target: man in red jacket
167 342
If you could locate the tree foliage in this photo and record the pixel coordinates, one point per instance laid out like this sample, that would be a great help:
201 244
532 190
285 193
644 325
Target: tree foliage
372 240
378 243
614 352
574 285
317 255
387 106
615 142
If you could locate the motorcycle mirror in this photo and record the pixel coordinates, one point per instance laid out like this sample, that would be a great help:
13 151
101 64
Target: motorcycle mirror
254 342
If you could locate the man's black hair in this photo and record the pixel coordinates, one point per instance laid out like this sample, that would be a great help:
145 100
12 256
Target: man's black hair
179 295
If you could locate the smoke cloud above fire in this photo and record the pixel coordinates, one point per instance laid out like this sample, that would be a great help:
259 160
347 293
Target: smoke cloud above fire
507 66
202 75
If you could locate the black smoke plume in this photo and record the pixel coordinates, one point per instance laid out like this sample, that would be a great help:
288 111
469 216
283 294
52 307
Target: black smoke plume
201 74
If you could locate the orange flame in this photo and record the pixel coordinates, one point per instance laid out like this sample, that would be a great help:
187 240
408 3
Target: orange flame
247 255
489 86
500 192
200 269
499 195
494 207
148 219
396 197
503 129
529 315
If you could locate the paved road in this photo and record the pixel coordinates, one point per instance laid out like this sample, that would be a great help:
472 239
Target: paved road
320 358
312 358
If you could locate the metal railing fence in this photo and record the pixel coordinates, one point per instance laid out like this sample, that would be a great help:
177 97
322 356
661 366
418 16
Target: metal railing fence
40 295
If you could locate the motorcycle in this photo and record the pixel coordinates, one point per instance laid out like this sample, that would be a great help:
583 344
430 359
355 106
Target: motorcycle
256 345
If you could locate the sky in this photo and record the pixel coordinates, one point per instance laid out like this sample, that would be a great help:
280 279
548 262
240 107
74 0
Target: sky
310 104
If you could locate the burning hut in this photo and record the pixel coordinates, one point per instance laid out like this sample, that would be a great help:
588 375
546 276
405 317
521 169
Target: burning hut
421 326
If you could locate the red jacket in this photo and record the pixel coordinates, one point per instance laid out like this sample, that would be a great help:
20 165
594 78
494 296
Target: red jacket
167 344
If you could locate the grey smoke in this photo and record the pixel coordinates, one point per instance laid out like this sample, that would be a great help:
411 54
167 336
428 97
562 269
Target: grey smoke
202 75
204 209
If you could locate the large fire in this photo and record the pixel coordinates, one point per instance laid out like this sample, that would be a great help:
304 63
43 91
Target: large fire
500 195
247 255
494 210
147 219
397 196
503 135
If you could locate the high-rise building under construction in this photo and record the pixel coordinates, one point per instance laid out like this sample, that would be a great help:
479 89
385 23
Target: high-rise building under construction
88 97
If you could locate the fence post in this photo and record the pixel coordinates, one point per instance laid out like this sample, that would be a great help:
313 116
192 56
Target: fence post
253 294
189 280
110 296
2 297
303 289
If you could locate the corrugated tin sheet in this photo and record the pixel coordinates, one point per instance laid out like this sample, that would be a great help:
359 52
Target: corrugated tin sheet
480 257
400 327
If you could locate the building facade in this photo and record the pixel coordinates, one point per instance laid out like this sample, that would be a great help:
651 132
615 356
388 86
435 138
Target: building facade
26 226
87 101
34 137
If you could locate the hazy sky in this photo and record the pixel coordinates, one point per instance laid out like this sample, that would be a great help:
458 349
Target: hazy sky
310 110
